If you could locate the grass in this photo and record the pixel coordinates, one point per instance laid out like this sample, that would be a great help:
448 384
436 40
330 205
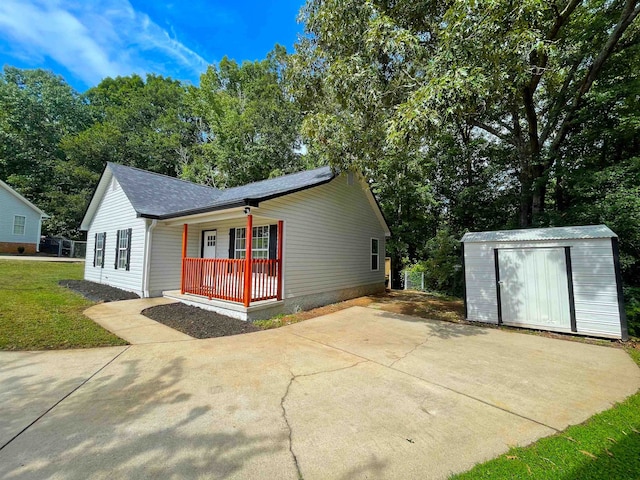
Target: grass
37 314
604 447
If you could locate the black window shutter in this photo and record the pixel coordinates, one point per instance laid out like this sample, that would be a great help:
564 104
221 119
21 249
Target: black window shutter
117 247
273 242
128 248
95 247
104 248
232 243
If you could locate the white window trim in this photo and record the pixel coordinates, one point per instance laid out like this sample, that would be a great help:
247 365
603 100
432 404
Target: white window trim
122 251
24 225
236 250
253 248
377 255
100 250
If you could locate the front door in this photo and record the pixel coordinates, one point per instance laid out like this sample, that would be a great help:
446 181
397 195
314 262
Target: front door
534 288
209 244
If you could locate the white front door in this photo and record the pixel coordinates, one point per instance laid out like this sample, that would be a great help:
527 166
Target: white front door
534 289
209 244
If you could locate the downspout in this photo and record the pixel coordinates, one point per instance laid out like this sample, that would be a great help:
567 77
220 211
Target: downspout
147 258
39 234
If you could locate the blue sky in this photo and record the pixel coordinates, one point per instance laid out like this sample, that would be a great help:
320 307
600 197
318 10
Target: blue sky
87 40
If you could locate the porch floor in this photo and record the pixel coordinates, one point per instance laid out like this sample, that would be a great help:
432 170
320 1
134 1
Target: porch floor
231 309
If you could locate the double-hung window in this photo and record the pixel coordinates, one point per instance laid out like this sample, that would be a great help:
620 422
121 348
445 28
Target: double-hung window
259 242
98 256
123 249
375 254
19 223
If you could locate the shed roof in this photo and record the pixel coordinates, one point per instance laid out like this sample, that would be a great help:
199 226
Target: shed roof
529 234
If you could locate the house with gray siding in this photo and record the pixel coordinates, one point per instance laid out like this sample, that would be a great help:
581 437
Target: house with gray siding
20 222
289 243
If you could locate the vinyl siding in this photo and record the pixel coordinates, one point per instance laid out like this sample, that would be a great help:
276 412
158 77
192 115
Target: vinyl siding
594 283
116 213
10 206
166 259
327 236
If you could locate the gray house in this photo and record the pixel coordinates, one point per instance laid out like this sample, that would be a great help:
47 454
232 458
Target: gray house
279 245
20 222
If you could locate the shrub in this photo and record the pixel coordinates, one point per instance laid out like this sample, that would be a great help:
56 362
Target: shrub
20 249
443 268
632 308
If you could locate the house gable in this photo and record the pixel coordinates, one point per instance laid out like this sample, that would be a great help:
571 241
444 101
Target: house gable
17 212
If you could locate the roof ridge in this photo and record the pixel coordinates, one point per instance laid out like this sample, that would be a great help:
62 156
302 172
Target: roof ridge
149 172
274 178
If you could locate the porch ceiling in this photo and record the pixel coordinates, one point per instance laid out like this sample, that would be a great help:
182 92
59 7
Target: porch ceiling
218 216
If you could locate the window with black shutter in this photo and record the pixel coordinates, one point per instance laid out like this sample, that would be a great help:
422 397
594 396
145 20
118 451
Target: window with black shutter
123 249
98 249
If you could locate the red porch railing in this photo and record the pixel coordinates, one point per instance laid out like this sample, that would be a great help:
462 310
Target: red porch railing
224 279
237 280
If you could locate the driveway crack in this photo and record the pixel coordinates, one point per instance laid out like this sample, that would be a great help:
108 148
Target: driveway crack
410 351
286 421
283 400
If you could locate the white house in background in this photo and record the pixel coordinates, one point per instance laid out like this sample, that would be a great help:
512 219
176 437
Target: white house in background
20 222
564 279
279 245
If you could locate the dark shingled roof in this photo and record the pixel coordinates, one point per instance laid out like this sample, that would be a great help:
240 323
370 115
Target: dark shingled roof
159 196
156 195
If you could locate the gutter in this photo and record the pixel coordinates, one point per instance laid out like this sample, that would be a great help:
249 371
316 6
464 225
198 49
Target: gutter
147 258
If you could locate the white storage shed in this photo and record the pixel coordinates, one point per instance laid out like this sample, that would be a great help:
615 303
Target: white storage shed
563 279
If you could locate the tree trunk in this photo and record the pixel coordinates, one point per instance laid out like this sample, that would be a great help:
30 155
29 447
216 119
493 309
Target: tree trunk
539 190
526 201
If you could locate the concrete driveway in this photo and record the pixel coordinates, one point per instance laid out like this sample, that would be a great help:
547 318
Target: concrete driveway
356 394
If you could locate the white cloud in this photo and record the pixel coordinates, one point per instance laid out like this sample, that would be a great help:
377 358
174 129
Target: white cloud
94 39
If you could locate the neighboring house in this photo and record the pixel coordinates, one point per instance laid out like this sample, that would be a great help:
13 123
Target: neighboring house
20 222
315 238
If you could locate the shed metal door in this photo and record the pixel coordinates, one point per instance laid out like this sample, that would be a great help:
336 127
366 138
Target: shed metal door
533 287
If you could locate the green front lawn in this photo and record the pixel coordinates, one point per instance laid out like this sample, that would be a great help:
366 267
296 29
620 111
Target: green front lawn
37 314
607 446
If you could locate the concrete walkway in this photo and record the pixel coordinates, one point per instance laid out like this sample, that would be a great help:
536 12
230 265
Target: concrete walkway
359 393
125 320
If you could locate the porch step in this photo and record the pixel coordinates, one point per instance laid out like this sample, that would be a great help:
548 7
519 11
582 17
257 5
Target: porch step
256 311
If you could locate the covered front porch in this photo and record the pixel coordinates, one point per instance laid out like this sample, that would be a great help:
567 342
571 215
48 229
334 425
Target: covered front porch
250 275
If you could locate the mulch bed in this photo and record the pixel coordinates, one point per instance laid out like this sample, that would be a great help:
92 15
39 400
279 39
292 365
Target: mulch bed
197 322
97 292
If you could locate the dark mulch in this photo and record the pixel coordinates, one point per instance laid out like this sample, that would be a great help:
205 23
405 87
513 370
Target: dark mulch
97 292
197 322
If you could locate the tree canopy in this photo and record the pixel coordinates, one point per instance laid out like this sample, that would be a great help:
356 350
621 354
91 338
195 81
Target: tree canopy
251 125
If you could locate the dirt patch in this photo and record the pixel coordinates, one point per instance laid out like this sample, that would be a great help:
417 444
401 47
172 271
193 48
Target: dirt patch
420 304
197 322
97 292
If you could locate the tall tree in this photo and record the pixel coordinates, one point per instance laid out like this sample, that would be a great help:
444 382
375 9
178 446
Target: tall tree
37 109
251 123
141 123
518 73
